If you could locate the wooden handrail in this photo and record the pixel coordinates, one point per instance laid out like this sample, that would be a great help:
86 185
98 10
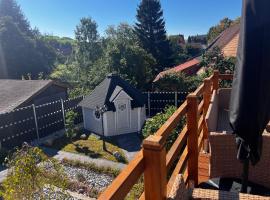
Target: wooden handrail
176 147
178 168
123 183
199 90
226 76
173 121
154 162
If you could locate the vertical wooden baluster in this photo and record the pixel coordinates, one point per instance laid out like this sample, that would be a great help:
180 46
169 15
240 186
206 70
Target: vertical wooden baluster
206 100
155 174
192 140
216 80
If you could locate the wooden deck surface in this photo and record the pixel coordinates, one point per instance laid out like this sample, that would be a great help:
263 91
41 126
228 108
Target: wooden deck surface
204 167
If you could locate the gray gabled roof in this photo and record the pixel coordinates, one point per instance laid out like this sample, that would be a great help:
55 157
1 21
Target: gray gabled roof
101 94
15 92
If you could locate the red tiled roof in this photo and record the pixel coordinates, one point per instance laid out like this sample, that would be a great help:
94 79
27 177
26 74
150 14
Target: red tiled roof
178 68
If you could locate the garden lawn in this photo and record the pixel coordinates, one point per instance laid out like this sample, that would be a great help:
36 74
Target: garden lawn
92 146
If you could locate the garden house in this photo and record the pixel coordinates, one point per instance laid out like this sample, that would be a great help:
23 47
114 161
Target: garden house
124 108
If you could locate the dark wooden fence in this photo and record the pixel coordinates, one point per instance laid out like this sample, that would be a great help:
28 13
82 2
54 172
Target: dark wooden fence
157 101
32 122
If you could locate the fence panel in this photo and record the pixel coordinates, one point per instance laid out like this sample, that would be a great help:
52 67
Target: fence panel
159 100
49 118
17 126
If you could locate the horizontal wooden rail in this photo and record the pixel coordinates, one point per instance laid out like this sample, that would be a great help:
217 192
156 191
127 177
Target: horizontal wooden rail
123 183
167 128
226 76
200 141
178 168
176 147
200 107
200 123
199 90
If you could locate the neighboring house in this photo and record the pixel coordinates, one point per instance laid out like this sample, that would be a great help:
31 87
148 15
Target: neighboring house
227 41
189 68
19 93
125 108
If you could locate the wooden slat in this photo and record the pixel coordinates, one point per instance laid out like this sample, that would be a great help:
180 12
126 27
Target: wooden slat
185 175
142 197
200 123
176 147
226 76
200 140
199 90
123 183
172 122
200 107
178 169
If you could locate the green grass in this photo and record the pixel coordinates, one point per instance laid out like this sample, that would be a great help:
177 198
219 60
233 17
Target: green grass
92 147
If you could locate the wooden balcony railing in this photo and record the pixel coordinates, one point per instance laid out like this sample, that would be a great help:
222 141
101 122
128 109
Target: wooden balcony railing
154 162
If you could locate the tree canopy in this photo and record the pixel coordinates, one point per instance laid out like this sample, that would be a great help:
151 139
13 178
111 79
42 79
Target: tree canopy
22 50
150 29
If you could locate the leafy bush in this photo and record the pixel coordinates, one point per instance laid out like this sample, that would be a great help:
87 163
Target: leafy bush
30 171
70 125
152 125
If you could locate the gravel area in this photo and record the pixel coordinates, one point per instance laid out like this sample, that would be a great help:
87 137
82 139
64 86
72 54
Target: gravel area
55 195
93 179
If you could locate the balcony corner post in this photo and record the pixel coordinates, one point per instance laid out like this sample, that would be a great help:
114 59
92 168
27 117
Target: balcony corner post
216 80
192 140
155 174
206 99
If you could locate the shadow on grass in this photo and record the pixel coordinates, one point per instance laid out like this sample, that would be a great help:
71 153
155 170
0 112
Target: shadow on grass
86 151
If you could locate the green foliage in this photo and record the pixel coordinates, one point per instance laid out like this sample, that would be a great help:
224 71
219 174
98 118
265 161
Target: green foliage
88 43
30 171
225 23
178 82
217 61
150 29
125 56
136 191
70 125
153 124
63 46
20 44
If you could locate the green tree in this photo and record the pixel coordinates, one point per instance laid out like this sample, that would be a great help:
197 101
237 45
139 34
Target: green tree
21 49
150 29
88 42
12 9
126 57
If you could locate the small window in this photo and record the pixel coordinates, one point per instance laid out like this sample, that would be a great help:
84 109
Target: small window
96 114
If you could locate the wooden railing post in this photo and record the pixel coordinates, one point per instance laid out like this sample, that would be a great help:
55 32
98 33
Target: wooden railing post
155 174
206 100
216 80
192 140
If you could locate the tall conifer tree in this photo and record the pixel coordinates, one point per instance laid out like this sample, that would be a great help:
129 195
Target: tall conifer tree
150 29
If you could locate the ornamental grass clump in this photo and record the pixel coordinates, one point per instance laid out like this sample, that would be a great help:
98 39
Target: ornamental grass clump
31 173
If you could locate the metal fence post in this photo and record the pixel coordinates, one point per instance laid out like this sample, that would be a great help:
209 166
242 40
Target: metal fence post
175 99
36 122
149 104
63 113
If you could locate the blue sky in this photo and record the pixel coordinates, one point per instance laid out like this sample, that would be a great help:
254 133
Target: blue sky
188 17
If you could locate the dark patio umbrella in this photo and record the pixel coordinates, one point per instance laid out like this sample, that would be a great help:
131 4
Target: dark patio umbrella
250 98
